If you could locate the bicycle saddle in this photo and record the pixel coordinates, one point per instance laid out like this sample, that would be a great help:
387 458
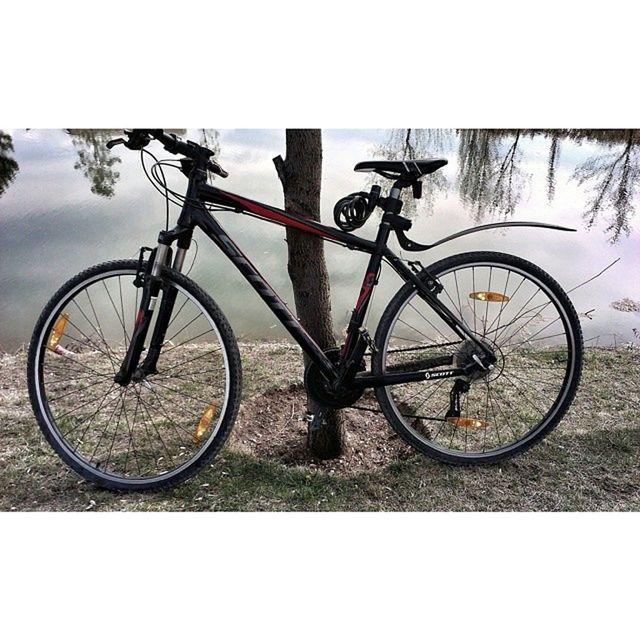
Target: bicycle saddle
402 169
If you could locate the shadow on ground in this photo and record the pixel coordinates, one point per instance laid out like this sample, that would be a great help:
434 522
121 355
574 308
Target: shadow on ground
589 463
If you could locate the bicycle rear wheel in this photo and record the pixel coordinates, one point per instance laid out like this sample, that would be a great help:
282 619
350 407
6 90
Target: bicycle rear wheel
153 432
528 321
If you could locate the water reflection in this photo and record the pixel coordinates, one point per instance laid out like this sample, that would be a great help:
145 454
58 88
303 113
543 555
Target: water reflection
554 158
50 234
409 144
610 178
96 162
491 180
509 180
489 175
8 166
613 179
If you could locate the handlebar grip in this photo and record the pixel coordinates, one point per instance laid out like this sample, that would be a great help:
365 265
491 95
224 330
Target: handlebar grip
116 141
175 145
139 138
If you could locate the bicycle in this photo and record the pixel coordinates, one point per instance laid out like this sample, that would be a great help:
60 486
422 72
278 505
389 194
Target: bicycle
135 376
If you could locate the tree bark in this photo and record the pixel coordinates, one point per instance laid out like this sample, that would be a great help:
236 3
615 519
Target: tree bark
301 175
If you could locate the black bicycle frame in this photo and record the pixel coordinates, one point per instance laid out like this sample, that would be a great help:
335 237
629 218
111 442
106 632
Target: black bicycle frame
195 215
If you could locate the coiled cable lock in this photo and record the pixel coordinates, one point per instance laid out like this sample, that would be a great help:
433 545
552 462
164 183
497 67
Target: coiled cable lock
352 211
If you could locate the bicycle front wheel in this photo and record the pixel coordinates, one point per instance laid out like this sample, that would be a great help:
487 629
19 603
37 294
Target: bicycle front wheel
153 432
524 317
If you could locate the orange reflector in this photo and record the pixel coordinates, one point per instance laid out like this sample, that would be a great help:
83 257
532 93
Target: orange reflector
57 331
468 423
488 296
204 423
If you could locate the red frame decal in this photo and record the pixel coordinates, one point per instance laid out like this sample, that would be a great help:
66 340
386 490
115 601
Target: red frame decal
366 288
271 214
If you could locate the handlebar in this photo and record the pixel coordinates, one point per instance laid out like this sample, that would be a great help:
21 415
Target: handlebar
140 138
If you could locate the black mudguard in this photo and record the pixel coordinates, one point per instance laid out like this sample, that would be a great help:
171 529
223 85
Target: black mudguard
410 245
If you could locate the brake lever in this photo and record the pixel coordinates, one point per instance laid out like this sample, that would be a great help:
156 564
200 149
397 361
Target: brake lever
214 167
116 141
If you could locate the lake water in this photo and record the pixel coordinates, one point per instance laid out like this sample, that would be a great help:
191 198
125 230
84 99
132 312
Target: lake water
65 209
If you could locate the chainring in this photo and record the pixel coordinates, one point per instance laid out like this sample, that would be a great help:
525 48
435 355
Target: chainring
319 389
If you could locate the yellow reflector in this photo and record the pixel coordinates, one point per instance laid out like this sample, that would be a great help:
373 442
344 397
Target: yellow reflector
204 423
488 296
468 423
57 331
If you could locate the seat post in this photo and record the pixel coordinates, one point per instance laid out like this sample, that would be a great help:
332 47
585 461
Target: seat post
395 192
392 206
394 200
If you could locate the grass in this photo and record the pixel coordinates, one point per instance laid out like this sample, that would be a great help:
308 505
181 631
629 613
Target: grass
589 463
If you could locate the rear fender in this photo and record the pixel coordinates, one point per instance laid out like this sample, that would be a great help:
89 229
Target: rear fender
410 245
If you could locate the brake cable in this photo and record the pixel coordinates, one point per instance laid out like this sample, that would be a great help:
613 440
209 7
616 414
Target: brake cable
159 182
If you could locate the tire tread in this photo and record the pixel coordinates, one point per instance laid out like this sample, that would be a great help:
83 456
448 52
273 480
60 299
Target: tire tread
407 289
235 372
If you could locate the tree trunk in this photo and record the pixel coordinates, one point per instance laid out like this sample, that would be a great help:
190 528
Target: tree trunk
301 173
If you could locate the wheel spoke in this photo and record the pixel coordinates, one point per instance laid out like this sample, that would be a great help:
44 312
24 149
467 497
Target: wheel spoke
149 427
505 404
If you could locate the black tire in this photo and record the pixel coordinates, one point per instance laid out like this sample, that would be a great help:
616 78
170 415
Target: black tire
556 367
95 354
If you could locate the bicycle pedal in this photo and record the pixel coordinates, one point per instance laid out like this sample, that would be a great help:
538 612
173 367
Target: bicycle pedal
314 420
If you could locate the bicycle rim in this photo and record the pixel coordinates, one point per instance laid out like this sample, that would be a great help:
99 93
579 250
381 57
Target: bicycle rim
153 429
525 322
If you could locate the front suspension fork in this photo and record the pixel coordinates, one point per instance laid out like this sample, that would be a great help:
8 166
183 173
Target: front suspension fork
151 283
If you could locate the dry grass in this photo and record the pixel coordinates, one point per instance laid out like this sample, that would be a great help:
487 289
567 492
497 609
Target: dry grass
589 463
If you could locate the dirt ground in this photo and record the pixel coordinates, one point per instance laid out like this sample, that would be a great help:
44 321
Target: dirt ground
271 427
590 462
